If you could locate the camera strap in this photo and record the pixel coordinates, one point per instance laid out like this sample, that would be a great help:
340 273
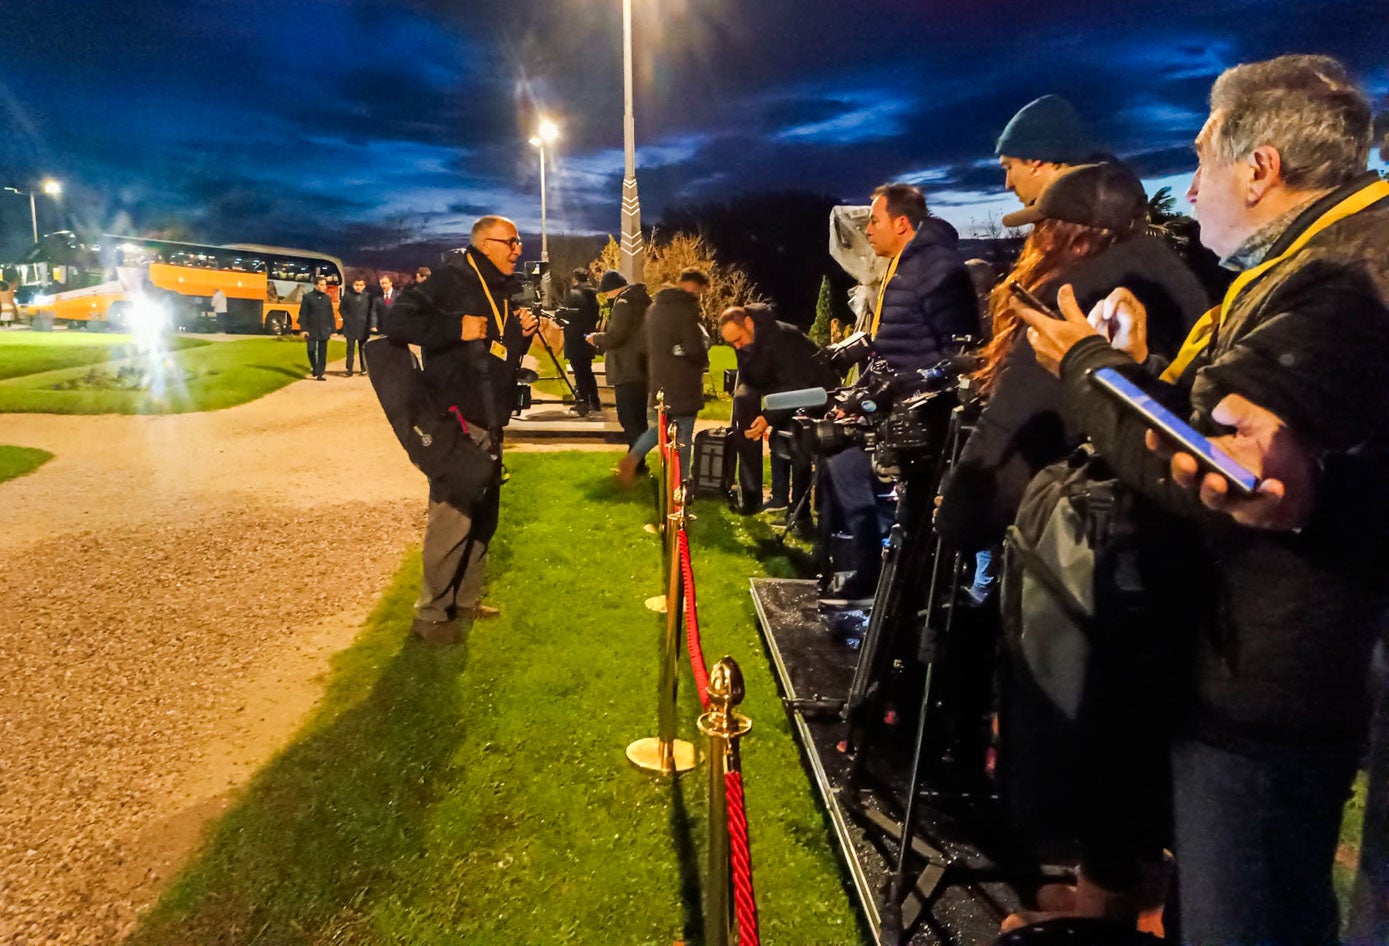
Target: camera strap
1205 328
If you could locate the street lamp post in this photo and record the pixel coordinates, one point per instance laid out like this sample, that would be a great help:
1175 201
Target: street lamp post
546 134
50 187
633 251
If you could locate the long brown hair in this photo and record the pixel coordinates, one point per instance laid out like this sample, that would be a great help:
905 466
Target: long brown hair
1052 246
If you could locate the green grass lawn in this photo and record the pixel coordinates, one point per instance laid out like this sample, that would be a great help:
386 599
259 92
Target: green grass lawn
194 375
24 353
17 461
480 794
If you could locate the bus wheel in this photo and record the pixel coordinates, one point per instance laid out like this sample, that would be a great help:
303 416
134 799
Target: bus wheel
277 323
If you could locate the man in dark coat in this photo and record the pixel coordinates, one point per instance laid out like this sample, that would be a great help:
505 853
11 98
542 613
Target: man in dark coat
679 353
1287 377
317 323
772 356
925 299
582 318
472 342
623 342
356 309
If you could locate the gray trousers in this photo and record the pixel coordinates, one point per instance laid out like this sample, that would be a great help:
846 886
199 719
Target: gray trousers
455 551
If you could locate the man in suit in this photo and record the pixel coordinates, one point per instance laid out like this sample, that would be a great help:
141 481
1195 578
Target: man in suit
317 323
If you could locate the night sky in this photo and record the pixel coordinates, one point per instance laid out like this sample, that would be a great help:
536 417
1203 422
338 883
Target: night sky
347 126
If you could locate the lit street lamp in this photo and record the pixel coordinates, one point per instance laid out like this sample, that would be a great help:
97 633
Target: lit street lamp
633 252
50 187
546 134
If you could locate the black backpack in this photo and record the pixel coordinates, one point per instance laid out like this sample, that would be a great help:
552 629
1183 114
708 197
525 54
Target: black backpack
460 472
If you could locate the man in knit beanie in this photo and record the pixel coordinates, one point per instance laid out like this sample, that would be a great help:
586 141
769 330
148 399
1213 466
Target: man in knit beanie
1044 138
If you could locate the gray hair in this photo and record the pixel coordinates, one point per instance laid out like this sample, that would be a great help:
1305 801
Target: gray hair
1307 107
487 223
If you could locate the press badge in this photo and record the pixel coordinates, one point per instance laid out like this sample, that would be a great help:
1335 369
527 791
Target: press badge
498 350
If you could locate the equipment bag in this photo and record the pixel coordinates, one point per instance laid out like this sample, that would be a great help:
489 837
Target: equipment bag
713 463
436 438
1070 574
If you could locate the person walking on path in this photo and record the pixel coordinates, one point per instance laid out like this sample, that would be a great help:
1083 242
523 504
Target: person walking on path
316 322
356 309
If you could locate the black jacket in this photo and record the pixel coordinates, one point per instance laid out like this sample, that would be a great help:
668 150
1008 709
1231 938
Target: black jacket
356 313
316 315
582 304
624 339
1020 429
928 299
679 351
781 358
463 374
1284 642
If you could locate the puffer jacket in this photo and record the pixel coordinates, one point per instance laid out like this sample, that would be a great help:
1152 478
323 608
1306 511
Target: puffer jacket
679 351
929 299
623 342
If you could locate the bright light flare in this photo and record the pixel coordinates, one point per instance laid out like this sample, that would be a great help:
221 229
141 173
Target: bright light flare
546 134
52 188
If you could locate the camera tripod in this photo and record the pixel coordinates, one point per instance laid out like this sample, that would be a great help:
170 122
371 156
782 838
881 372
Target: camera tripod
554 359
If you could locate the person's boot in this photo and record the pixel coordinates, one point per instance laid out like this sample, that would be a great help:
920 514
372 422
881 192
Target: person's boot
626 474
1084 899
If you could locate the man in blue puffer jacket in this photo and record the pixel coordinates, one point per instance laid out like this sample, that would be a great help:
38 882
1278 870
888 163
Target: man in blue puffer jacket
925 299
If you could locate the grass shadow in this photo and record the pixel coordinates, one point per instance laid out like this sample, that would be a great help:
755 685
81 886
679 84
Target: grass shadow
281 370
687 859
320 834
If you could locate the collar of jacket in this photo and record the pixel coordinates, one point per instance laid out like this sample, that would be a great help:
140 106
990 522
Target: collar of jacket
497 281
1313 212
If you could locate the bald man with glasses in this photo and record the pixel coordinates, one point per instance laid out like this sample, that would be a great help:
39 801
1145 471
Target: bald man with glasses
472 342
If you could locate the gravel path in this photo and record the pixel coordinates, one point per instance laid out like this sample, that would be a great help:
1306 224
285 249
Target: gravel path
172 589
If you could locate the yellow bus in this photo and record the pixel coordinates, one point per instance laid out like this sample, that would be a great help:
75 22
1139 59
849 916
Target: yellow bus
120 281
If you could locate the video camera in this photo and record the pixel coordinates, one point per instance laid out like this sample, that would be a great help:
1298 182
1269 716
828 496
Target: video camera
897 416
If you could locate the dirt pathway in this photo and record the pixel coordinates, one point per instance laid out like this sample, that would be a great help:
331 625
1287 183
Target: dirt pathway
171 589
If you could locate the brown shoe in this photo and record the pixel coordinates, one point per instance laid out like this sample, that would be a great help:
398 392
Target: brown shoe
627 470
478 611
441 633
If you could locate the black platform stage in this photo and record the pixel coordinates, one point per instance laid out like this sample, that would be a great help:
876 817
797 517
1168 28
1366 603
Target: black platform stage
959 903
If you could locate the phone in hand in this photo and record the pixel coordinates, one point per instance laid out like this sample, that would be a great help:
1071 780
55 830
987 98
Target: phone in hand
1021 293
1208 456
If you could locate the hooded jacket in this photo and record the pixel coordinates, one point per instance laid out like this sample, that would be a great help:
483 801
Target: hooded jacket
781 358
929 299
624 339
679 352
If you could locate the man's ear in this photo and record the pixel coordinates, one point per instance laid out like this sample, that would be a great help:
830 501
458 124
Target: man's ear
1264 170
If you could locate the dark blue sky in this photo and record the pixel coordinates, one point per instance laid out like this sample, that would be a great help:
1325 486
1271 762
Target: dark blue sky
338 125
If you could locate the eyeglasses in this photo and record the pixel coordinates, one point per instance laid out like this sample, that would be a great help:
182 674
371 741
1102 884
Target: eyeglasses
513 242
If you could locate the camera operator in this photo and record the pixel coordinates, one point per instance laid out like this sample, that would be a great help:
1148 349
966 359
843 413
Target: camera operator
926 298
623 340
472 343
581 320
1294 361
772 356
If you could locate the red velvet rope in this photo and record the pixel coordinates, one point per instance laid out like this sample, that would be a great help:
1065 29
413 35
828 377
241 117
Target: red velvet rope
661 424
692 642
739 854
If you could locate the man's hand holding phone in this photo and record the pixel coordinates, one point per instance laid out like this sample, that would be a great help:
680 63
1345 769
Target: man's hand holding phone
1263 444
1122 319
1051 337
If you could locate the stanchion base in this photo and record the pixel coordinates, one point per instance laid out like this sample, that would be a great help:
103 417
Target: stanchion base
656 603
645 754
651 529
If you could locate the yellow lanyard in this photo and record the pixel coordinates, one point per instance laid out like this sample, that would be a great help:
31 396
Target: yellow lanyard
496 314
882 292
1205 328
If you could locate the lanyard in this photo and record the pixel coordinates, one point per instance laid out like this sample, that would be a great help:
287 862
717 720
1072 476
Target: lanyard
496 313
882 292
1206 326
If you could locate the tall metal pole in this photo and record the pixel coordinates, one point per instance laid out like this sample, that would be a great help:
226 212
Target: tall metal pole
34 215
544 237
633 251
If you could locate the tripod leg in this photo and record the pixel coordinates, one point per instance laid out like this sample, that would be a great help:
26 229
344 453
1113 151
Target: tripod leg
559 368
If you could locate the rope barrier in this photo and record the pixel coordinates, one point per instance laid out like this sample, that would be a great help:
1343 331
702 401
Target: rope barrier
744 897
692 642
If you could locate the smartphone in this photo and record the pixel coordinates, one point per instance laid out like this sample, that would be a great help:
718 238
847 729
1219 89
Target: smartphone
1208 455
1020 293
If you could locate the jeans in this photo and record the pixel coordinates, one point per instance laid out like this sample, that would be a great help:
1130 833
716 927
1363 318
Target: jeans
631 409
684 435
857 505
1256 837
318 355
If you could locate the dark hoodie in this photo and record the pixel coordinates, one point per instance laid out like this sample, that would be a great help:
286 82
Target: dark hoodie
929 299
678 349
781 358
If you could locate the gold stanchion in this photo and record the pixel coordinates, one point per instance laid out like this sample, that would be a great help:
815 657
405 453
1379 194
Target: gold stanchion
665 753
724 726
657 603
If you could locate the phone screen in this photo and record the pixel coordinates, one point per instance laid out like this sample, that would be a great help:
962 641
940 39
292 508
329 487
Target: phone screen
1207 454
